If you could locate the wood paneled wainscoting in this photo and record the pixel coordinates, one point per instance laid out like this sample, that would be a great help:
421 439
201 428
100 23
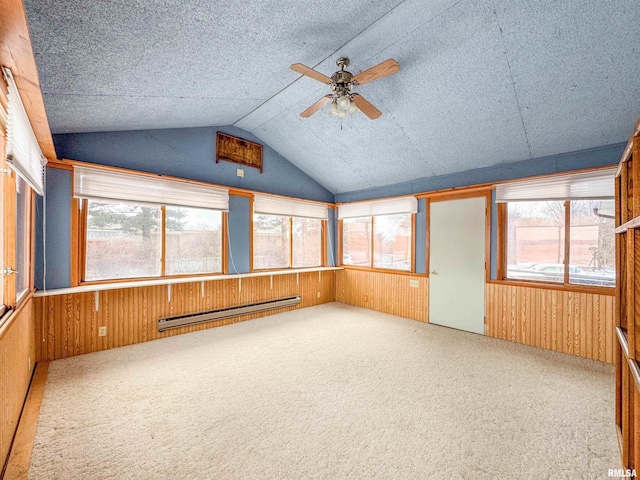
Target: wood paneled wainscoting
17 359
576 323
67 324
384 292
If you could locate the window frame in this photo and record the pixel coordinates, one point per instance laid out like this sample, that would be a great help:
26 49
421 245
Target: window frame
323 243
371 268
503 241
80 212
14 300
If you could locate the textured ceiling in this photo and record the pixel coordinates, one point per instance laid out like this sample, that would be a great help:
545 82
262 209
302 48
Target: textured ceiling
482 82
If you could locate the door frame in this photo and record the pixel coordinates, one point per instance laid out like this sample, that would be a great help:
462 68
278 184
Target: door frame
455 195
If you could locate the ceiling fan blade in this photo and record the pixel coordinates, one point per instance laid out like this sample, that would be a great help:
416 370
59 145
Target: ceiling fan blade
310 72
379 71
365 107
316 106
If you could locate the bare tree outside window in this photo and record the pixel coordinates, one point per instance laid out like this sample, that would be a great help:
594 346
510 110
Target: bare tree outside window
123 241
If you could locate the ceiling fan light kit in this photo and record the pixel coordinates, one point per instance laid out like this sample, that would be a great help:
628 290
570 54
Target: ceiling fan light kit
343 101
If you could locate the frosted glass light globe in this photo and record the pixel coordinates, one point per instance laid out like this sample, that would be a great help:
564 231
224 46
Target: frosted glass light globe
344 102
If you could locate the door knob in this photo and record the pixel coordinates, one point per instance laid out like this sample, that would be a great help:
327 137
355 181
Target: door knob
433 272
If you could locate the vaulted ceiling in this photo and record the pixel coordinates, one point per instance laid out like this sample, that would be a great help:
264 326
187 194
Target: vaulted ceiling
482 82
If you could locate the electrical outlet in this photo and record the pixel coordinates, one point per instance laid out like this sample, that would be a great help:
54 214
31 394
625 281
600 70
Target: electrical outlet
414 282
318 294
240 172
102 331
366 298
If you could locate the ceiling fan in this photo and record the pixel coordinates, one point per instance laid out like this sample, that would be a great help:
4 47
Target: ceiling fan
343 100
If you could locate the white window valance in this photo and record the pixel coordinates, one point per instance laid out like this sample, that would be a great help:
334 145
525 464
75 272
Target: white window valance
391 206
108 185
595 185
24 155
289 207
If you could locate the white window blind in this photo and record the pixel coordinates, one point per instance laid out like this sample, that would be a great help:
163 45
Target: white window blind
23 152
288 207
392 206
596 185
98 184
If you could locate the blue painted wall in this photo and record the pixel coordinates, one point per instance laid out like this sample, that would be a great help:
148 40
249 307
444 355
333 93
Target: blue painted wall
185 153
239 234
57 232
189 153
595 157
332 238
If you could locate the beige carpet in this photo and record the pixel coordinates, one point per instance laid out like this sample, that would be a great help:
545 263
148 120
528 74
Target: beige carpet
331 392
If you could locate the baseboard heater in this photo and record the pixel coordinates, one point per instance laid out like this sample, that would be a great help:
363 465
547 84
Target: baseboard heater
182 320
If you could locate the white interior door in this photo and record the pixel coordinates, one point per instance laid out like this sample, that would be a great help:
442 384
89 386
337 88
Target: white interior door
457 263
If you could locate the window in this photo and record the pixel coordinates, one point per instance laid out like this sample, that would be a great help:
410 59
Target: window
193 241
535 247
20 152
391 246
283 242
270 242
592 254
568 240
536 241
306 242
392 242
287 232
378 233
23 237
158 226
122 241
356 241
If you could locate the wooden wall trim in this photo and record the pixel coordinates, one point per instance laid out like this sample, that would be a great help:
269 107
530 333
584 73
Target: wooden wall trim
17 360
610 291
67 324
387 292
17 54
22 447
580 324
95 287
12 316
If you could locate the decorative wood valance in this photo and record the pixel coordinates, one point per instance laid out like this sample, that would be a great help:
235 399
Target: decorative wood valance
238 150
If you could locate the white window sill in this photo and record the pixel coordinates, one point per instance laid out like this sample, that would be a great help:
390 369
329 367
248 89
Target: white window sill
171 281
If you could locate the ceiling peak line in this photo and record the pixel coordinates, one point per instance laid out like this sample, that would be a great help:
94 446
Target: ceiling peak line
318 64
253 128
429 20
513 82
418 152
